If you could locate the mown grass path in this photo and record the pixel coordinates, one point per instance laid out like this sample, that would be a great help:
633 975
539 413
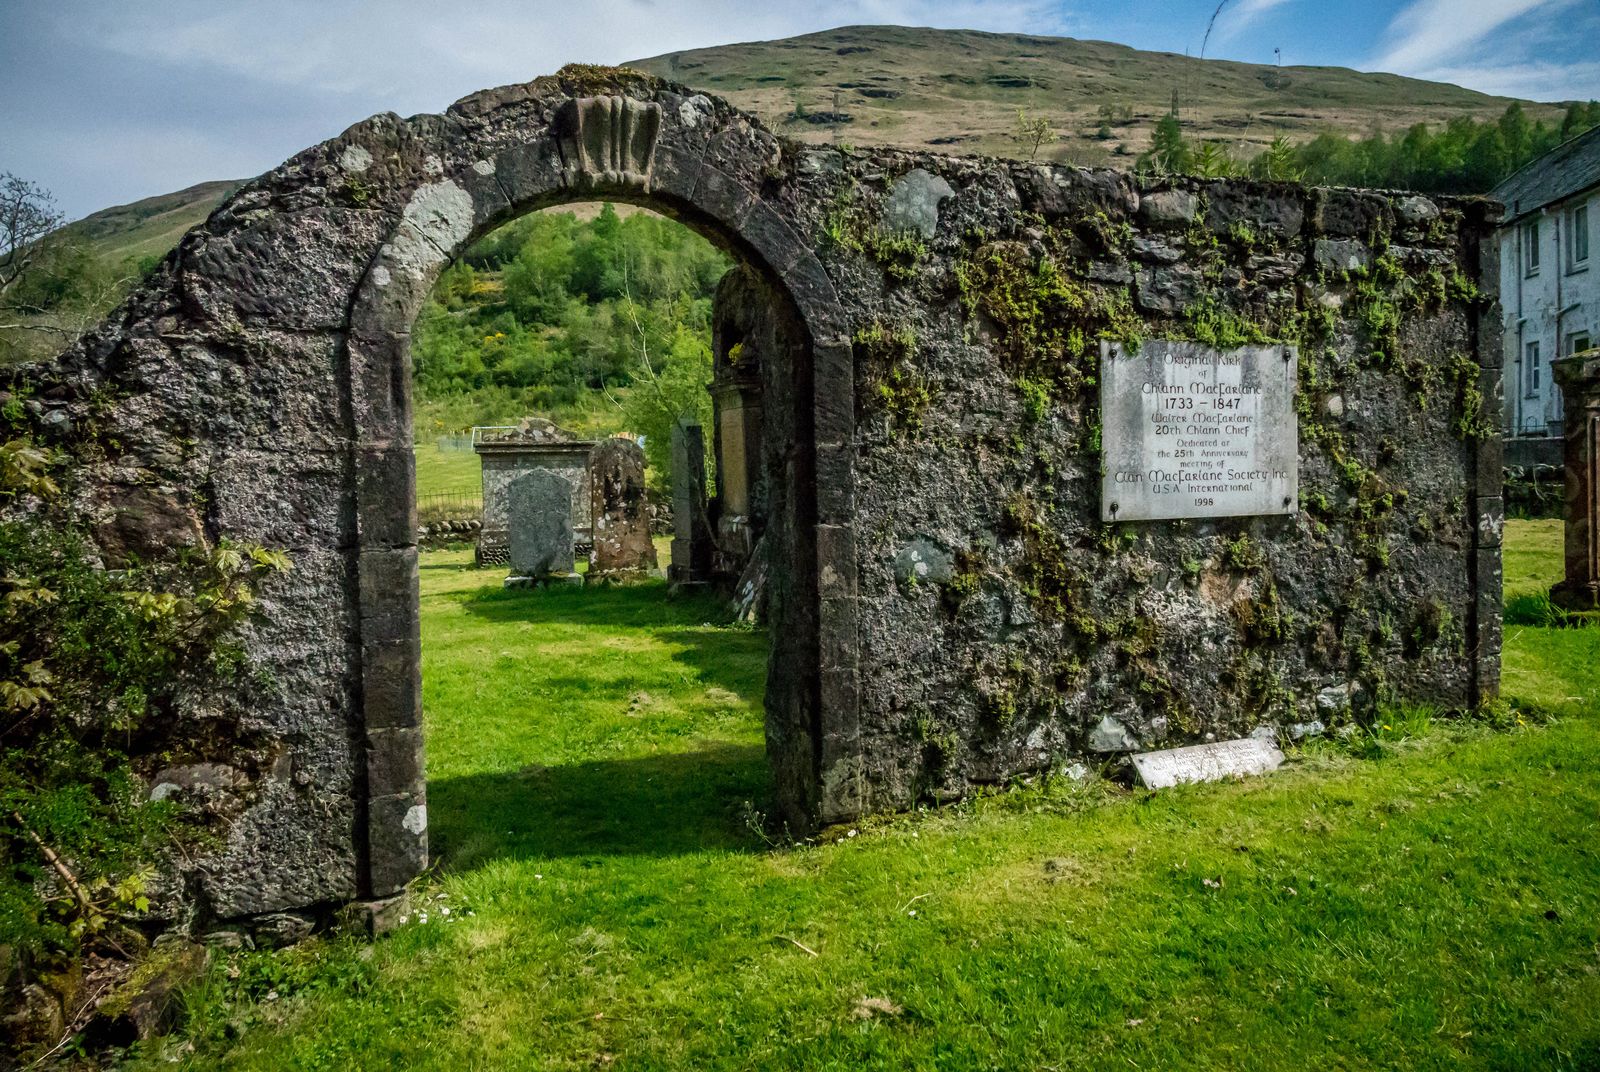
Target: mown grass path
1430 899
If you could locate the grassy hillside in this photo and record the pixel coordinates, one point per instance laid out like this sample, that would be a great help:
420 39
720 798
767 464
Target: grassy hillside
150 227
959 91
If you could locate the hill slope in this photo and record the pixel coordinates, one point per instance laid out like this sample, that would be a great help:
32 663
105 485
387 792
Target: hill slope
959 91
150 227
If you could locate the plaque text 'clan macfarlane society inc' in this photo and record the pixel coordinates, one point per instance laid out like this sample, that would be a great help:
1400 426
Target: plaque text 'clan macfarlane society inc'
1192 432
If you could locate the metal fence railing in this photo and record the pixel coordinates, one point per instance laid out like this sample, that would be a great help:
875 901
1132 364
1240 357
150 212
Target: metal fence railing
453 442
448 506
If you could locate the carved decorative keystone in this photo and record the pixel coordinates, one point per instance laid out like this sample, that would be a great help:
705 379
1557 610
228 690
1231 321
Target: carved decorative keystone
608 141
1579 377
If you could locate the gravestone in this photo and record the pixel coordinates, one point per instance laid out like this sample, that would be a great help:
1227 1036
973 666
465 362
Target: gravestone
1193 432
539 516
507 453
691 525
1206 762
1579 377
621 516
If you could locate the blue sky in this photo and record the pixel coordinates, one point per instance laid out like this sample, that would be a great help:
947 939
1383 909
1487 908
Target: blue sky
107 101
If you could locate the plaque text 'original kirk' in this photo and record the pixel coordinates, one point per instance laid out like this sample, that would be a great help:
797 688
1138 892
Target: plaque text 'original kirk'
1193 432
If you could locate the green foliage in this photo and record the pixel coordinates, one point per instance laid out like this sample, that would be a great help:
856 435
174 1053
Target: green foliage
91 659
900 392
1212 324
1030 132
1049 321
1169 152
1277 162
899 254
1465 155
1035 399
669 387
553 308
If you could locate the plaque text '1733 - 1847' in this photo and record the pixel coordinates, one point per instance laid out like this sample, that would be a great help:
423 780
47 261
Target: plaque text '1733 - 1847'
1189 431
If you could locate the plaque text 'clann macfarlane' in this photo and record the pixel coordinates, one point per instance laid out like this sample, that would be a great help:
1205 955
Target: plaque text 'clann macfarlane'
1193 432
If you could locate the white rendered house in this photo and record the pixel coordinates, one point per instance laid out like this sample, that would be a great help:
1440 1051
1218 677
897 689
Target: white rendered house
1549 287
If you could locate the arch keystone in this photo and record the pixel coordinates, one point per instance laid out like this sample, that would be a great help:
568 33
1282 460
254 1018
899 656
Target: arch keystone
608 141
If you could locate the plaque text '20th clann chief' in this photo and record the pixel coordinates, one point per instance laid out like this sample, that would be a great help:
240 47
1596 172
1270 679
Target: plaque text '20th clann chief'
1189 431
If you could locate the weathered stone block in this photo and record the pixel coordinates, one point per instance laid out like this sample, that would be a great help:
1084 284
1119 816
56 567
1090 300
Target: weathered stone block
391 682
540 524
622 542
294 499
388 577
913 203
1169 208
380 389
397 842
394 762
289 271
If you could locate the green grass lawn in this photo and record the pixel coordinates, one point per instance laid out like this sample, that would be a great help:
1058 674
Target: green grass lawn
447 472
1428 898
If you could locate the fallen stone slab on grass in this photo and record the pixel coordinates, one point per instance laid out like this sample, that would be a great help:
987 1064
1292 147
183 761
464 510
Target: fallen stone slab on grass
1206 762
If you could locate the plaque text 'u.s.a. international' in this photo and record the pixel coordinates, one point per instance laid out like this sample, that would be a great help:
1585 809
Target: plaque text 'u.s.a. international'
1188 431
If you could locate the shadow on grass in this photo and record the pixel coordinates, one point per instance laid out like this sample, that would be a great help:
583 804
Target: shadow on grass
1535 608
663 805
644 604
670 803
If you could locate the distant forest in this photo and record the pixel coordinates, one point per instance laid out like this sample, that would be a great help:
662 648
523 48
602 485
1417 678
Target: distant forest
1465 156
604 324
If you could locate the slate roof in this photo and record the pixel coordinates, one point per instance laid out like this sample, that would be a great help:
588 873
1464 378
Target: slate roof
1569 168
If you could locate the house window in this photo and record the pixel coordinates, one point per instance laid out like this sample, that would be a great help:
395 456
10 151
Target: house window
1530 247
1578 238
1530 369
1578 342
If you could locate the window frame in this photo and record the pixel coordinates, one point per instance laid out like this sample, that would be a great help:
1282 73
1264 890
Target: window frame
1530 368
1572 342
1577 232
1530 247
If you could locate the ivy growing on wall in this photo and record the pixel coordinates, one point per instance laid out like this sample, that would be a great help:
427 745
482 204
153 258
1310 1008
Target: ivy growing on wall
91 661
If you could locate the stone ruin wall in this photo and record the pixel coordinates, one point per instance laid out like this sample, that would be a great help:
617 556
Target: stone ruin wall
1003 626
942 410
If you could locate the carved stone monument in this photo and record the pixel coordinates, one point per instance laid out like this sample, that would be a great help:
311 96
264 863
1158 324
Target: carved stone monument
1579 377
539 508
622 545
691 527
1193 432
506 454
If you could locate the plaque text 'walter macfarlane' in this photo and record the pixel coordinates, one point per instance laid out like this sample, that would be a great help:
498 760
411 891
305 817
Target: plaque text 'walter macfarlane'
1192 432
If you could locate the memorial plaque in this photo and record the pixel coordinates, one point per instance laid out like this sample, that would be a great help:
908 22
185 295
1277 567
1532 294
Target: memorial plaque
1188 431
1206 762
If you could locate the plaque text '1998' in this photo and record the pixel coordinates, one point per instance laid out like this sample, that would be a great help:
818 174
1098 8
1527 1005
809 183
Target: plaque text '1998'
1193 432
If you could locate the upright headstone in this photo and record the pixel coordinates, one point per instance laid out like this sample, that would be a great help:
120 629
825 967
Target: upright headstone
622 544
508 452
539 516
1579 377
691 525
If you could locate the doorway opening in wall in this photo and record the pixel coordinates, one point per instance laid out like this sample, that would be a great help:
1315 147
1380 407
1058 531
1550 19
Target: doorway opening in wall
598 705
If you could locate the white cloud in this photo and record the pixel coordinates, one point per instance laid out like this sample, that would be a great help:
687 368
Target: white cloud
1238 17
1515 48
1430 33
1532 81
427 54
